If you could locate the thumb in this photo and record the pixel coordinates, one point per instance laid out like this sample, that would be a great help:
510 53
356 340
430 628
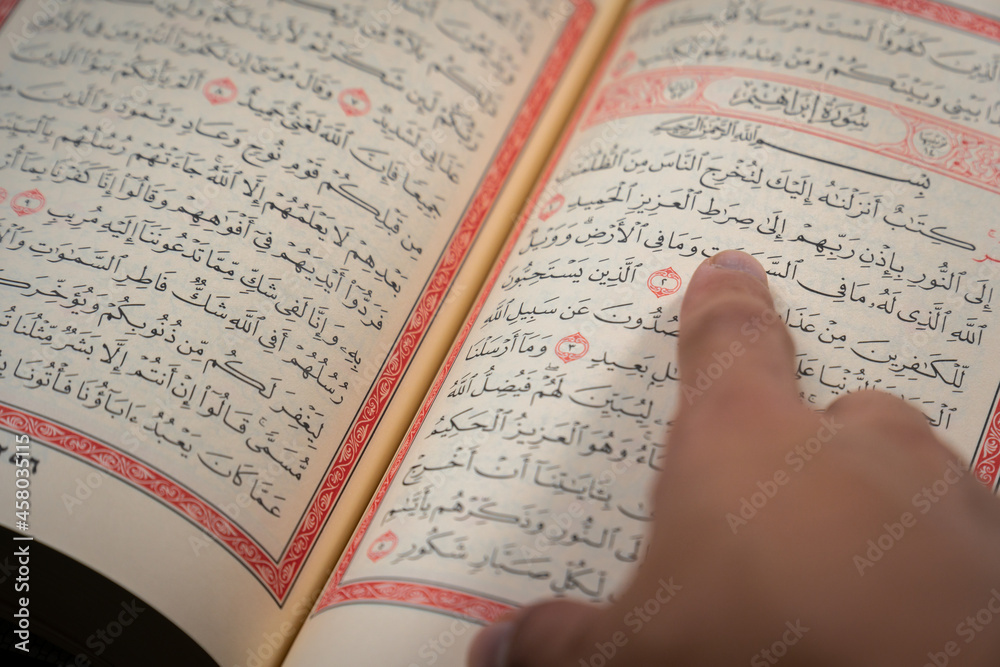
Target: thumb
550 634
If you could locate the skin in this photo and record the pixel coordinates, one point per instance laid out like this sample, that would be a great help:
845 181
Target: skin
785 585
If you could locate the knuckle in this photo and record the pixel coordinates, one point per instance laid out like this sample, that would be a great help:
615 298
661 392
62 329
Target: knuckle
883 414
877 409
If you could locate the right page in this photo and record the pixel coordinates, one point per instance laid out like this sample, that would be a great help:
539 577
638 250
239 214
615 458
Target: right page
852 147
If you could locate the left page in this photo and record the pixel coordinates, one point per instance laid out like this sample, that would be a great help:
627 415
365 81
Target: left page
226 229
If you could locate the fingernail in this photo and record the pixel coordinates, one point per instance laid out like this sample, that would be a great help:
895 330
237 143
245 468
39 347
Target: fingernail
734 260
491 645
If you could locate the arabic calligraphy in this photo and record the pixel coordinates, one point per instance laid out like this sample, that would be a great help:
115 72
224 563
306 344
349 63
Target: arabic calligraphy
221 216
530 473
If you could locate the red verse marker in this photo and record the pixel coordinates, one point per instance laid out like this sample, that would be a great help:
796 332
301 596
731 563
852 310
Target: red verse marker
552 207
382 546
27 202
220 91
3 195
572 347
354 102
664 282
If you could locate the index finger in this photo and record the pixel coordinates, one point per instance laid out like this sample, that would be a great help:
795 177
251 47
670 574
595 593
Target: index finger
734 350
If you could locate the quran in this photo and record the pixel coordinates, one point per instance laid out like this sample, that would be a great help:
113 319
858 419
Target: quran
332 331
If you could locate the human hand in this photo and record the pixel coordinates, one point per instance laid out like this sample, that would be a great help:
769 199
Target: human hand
850 537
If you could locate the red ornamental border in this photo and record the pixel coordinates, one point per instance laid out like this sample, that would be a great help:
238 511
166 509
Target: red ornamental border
407 593
6 7
419 595
440 281
960 19
151 481
335 593
278 577
973 157
987 464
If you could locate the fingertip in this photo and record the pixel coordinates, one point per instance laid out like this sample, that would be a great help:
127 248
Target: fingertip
736 260
729 268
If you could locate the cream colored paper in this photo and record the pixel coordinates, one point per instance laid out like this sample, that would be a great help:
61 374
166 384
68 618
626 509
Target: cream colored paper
219 219
850 147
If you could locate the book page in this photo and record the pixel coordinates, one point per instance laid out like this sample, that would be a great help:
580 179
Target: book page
225 230
851 146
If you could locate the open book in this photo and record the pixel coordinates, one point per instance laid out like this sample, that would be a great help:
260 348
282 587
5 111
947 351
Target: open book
255 365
